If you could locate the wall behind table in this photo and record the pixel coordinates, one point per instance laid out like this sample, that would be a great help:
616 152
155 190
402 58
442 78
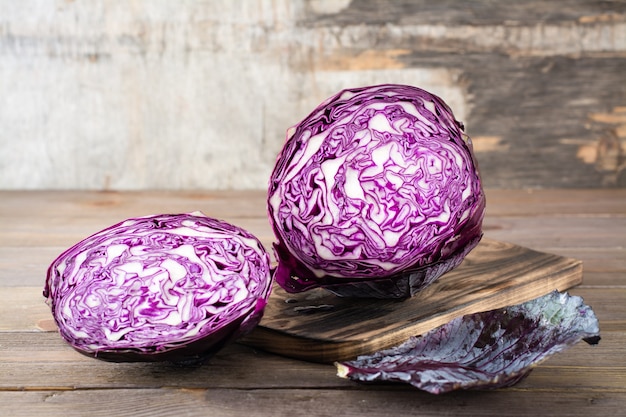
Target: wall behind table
198 95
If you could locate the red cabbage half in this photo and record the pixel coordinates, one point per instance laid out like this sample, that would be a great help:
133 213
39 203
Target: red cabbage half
375 194
159 288
487 350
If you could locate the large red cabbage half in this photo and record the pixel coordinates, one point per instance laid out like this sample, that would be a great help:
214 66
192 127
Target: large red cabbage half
159 288
375 194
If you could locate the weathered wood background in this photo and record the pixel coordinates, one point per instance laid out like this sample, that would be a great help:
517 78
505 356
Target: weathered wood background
115 94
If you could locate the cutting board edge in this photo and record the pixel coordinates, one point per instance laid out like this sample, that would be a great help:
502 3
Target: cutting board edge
329 351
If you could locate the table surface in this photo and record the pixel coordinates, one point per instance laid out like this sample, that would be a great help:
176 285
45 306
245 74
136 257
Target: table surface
41 375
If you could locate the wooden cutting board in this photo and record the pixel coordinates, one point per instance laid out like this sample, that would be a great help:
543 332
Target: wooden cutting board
321 327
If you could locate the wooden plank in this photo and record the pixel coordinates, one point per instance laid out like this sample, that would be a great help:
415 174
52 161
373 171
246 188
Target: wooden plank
473 13
607 304
34 315
55 365
588 234
30 238
19 229
494 275
556 202
310 402
24 309
610 378
47 204
31 361
558 232
545 135
608 259
27 267
601 266
604 279
236 204
66 231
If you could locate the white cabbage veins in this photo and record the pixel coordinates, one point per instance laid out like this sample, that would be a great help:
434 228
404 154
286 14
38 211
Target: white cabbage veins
156 282
373 182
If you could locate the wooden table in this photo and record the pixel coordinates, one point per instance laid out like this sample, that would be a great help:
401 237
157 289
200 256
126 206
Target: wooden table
41 375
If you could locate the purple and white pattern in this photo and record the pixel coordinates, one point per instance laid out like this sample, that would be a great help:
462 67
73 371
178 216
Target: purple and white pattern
151 285
376 182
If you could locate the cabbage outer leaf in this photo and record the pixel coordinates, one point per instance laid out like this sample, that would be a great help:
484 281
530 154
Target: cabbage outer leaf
486 350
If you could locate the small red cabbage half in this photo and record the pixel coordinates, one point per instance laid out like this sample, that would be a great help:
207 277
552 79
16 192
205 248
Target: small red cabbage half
375 194
172 287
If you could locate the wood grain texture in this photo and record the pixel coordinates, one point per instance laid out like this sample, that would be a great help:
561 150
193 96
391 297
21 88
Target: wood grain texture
310 402
320 327
43 361
70 216
103 96
41 375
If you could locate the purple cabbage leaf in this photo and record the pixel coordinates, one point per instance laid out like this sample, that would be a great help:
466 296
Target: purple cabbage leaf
375 194
488 350
172 287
